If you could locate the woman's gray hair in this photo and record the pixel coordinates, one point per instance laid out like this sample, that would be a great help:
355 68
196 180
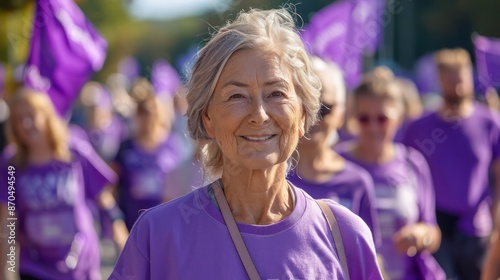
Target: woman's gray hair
272 30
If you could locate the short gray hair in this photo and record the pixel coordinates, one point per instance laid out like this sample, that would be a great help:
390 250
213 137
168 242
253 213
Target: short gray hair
273 30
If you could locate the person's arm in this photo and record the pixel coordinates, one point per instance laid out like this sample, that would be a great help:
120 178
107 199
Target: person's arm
424 235
491 268
417 237
107 203
495 171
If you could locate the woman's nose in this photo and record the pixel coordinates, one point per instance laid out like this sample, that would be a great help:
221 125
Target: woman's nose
27 123
258 114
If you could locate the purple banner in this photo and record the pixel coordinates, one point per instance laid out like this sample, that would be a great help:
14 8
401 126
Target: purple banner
328 31
164 78
367 24
65 50
487 61
426 74
343 31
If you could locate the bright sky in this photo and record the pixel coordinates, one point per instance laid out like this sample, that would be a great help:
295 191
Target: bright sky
170 9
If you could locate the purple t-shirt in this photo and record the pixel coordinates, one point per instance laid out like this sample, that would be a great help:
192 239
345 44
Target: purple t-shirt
143 175
352 187
459 154
54 221
404 196
187 239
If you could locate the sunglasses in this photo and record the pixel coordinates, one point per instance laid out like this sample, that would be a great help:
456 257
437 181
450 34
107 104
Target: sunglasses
366 119
325 109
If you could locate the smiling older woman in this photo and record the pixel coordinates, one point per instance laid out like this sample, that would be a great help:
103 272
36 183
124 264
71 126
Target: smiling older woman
252 95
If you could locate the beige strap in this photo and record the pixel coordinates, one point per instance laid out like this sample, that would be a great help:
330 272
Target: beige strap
337 237
235 233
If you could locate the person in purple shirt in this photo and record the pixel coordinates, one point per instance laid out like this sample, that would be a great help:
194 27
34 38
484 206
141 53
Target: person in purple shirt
403 184
252 95
49 181
461 143
320 171
144 161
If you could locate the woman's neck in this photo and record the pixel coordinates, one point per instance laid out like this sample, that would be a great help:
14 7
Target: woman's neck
460 110
370 153
318 162
40 152
259 197
150 141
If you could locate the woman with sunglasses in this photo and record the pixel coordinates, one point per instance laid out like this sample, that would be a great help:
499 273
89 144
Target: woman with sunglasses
144 161
320 171
403 184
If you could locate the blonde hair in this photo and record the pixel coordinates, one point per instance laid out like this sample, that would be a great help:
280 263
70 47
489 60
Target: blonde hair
452 59
380 84
272 30
57 130
143 94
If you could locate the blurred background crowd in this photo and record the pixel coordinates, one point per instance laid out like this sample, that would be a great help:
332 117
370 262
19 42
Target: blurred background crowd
128 102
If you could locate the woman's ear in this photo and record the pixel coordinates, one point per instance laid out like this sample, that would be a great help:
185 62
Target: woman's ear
209 124
302 126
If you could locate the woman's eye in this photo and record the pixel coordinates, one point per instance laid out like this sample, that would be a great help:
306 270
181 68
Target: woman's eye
276 94
236 95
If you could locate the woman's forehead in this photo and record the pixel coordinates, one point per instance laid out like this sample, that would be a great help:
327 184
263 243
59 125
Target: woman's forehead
255 65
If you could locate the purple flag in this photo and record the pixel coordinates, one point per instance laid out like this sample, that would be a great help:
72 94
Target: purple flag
327 33
329 36
164 78
367 24
65 51
487 61
426 75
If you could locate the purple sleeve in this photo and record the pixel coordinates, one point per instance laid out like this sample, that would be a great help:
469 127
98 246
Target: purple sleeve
358 244
367 210
425 189
406 137
97 174
133 262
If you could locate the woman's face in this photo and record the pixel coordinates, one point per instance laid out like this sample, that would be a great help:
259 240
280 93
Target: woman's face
146 116
255 115
378 120
30 125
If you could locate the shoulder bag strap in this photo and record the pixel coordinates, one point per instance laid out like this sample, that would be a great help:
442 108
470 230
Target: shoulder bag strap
337 237
238 242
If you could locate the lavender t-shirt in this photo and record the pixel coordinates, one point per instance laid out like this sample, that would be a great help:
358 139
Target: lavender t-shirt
404 196
187 239
143 175
352 187
459 154
53 218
